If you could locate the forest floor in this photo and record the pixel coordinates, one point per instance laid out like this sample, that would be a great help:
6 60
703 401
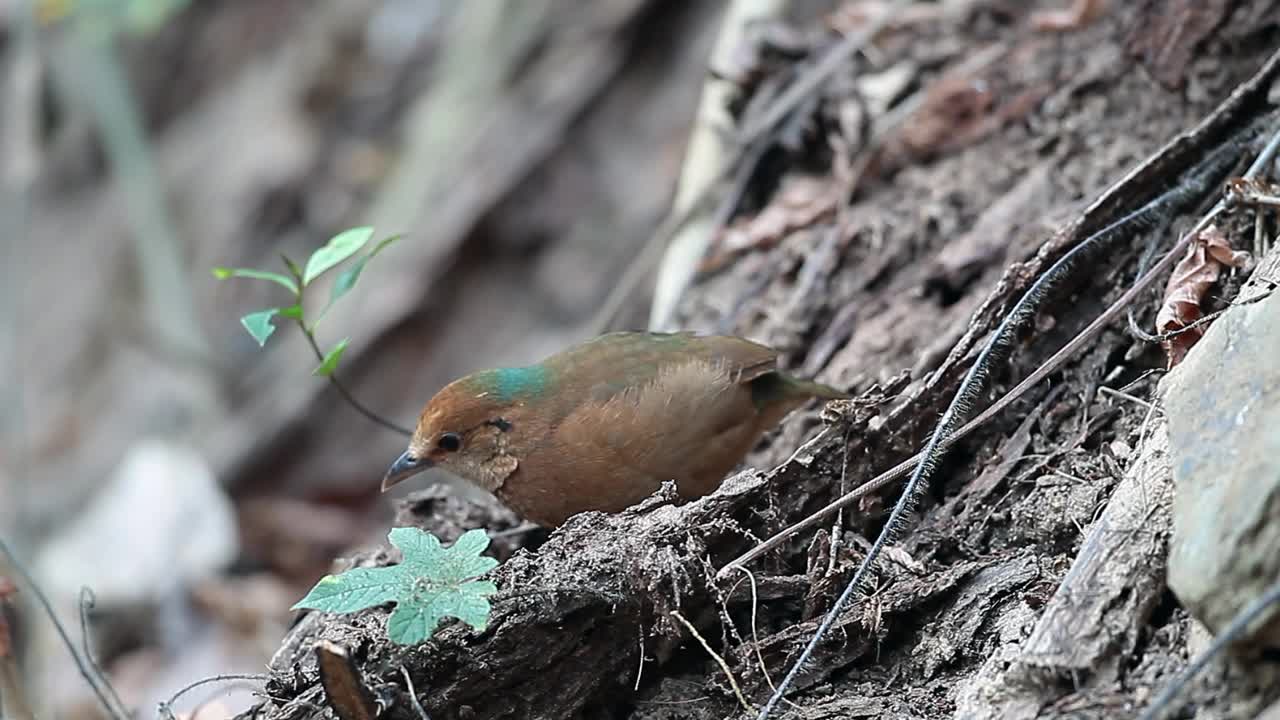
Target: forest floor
877 247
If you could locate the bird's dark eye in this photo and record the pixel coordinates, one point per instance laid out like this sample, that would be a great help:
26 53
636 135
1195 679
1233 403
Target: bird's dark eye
450 442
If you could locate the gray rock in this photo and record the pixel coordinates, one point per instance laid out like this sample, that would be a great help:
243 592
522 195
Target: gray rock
1223 404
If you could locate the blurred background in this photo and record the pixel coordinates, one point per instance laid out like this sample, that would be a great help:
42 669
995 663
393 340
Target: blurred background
525 149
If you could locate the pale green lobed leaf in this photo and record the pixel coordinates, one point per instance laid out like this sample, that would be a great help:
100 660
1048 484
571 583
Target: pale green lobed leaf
431 583
357 589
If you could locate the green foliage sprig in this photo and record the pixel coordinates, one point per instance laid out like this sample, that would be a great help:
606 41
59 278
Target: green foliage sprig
431 583
340 248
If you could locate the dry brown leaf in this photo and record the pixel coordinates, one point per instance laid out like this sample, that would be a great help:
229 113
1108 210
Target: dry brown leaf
801 201
967 103
1209 253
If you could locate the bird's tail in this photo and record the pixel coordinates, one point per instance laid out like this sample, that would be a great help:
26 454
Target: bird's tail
776 387
816 389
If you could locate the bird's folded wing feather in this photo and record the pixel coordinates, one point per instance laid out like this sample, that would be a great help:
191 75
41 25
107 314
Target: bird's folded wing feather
616 363
654 428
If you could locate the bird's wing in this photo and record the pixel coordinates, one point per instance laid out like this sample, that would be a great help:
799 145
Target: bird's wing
659 430
621 362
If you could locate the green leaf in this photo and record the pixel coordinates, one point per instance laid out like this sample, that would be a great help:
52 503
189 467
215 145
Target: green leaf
339 248
259 324
430 584
353 590
223 273
347 278
293 312
330 362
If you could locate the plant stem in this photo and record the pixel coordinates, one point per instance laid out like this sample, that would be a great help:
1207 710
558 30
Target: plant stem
346 394
99 683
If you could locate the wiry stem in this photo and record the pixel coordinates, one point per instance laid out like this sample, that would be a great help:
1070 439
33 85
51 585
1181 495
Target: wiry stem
309 333
97 682
346 394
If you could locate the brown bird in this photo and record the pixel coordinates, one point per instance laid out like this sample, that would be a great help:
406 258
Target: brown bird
601 425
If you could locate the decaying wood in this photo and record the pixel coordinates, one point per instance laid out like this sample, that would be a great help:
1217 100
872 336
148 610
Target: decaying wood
1095 616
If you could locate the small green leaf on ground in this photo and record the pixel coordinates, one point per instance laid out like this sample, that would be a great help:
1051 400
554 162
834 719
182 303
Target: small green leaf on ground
331 358
347 278
223 273
430 584
259 324
339 248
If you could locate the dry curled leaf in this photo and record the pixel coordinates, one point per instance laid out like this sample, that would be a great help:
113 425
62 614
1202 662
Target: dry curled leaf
801 201
1190 282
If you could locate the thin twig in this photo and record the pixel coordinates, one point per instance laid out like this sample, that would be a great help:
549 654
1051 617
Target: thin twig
719 660
647 258
87 601
1229 634
811 80
1168 335
165 707
520 529
741 168
95 682
755 636
413 695
1104 390
837 524
640 667
754 142
1000 340
346 394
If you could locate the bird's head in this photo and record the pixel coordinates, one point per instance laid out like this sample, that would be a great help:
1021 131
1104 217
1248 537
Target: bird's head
466 428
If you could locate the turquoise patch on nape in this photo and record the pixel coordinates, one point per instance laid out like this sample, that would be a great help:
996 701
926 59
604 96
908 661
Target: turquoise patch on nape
510 383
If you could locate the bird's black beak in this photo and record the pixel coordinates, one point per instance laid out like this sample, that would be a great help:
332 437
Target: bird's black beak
404 467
